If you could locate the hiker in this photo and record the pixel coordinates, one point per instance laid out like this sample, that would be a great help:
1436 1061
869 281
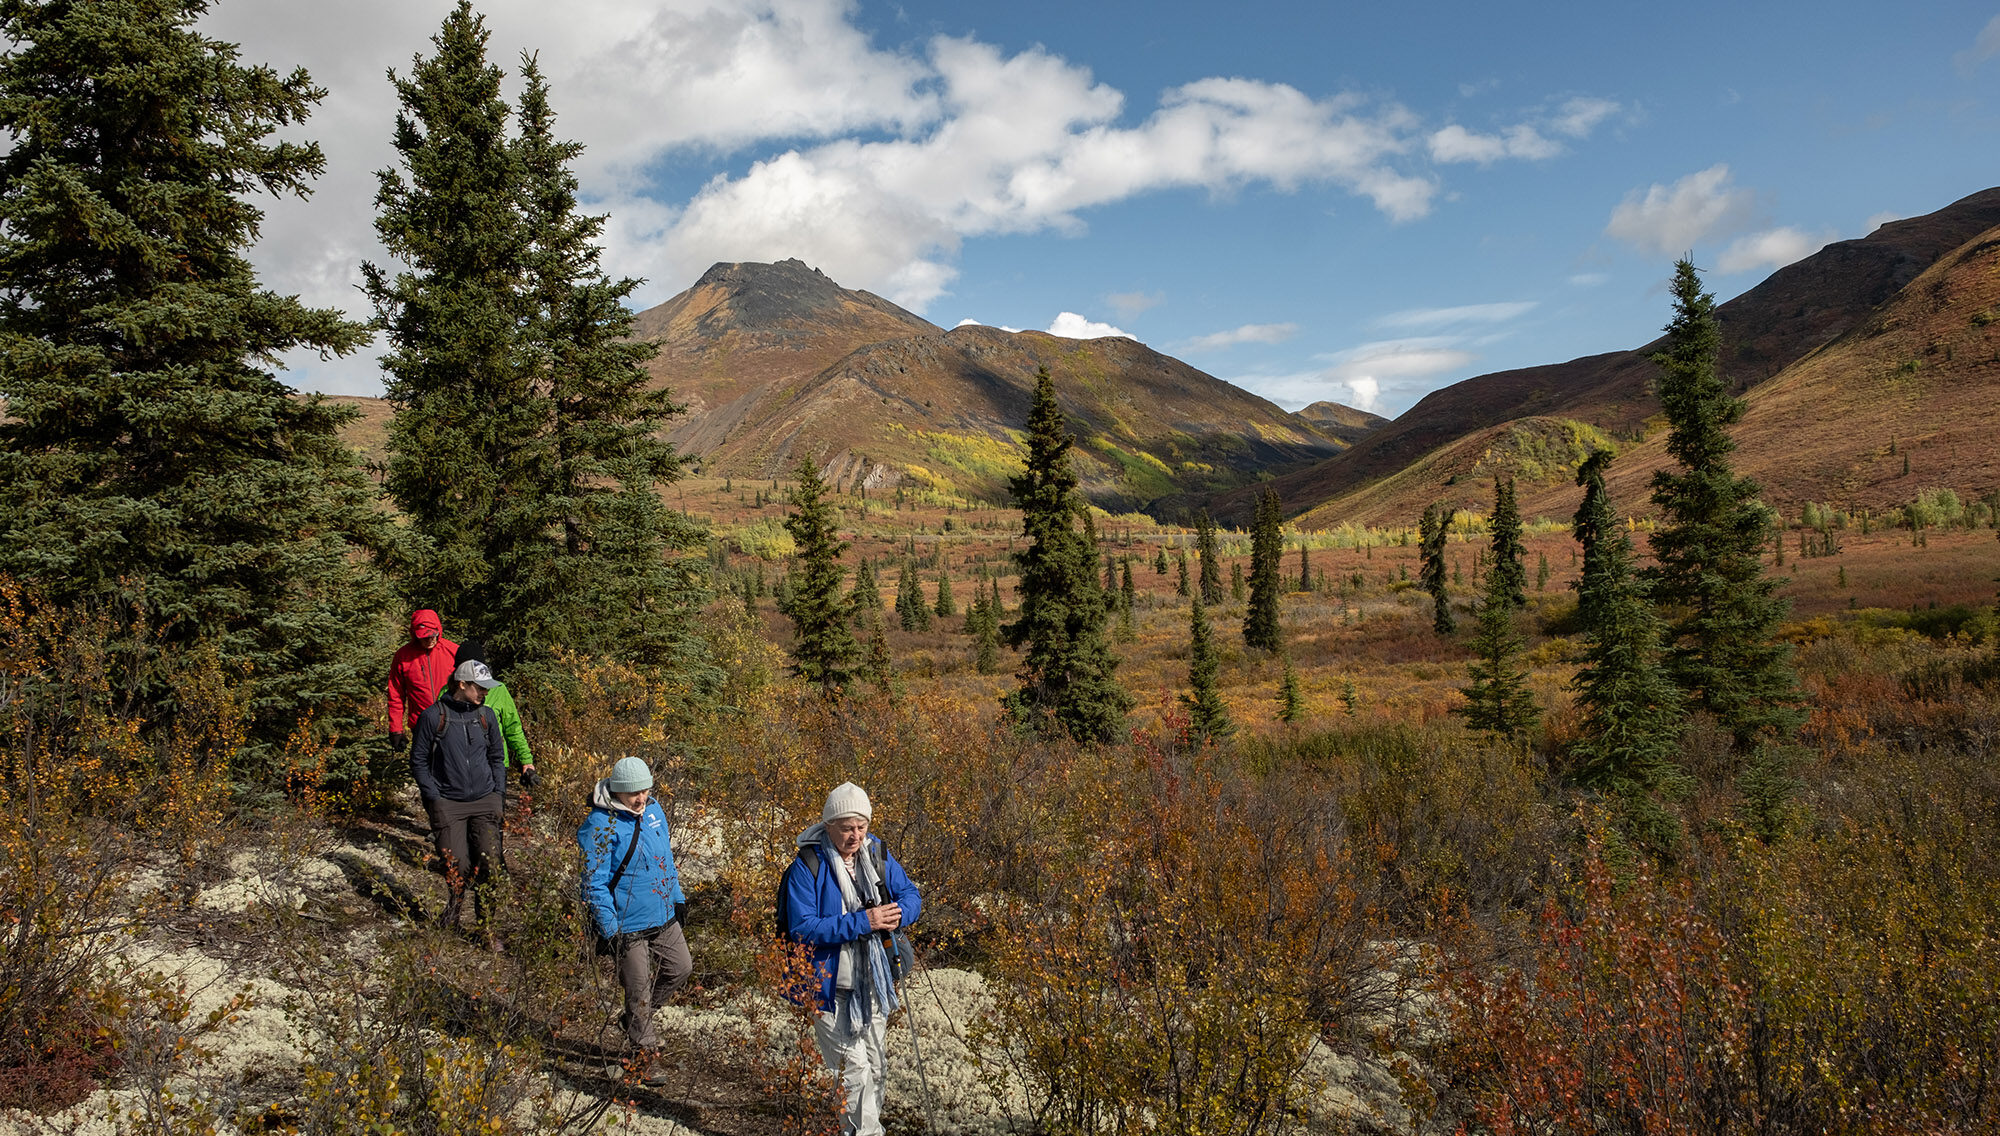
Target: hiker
417 673
841 895
634 895
520 759
460 766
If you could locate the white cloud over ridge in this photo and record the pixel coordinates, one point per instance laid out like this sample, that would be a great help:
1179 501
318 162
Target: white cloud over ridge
1770 249
1248 333
1069 325
1420 318
1669 220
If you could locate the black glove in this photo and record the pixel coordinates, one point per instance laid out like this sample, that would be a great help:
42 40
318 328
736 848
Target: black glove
398 741
681 914
530 778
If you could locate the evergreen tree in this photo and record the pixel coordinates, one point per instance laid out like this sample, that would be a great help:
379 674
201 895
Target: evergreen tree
1267 547
1349 697
1181 585
1160 561
1127 591
1709 572
1430 546
1291 702
1236 590
911 611
149 459
999 605
875 664
1305 568
984 626
1541 571
1498 700
1509 567
945 608
1631 711
823 649
1211 561
1208 718
867 594
1067 669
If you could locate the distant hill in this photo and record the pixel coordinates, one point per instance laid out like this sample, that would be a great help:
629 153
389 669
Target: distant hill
1440 447
1342 421
775 361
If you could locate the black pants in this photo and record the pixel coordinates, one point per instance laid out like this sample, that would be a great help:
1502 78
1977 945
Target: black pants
467 834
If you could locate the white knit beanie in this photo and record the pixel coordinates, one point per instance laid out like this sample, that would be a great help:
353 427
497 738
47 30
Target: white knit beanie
846 801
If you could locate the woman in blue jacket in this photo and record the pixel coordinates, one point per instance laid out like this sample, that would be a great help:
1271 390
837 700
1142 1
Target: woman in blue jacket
634 895
843 893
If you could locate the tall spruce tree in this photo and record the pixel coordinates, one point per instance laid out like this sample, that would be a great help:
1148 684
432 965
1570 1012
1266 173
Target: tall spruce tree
1708 573
912 613
1291 701
150 460
1067 678
1509 567
945 607
1211 560
1632 713
823 647
1267 549
1208 717
1498 700
1432 530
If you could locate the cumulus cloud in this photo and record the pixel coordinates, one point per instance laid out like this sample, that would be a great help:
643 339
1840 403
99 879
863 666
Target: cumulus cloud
1069 325
1420 318
1668 220
1248 333
1528 141
1579 116
1772 248
1985 46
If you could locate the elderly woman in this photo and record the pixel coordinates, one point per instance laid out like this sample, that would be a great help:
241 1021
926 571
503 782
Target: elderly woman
634 895
843 894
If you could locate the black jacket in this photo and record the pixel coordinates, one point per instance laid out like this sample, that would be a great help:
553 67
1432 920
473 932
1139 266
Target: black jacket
457 753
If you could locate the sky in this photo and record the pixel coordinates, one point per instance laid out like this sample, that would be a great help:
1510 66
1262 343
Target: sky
1356 202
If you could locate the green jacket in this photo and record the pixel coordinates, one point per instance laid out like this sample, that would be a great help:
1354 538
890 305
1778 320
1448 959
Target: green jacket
516 739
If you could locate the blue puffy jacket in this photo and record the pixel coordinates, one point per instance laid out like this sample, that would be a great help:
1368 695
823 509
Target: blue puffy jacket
650 887
813 914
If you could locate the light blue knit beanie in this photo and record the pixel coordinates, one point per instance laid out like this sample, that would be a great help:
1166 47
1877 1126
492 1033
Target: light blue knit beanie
629 776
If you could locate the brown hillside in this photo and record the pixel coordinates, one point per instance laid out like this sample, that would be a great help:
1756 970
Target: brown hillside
1340 420
1799 308
1921 372
775 361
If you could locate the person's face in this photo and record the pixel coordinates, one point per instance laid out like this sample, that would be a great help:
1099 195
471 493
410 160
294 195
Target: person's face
472 692
635 800
847 834
427 642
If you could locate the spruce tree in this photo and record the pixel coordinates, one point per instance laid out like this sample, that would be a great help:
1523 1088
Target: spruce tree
150 460
823 649
1267 548
1291 702
912 613
1127 591
1305 567
1208 718
1067 679
1430 545
1236 589
1498 700
867 594
1632 714
1160 561
985 630
1509 567
945 608
1709 573
1211 561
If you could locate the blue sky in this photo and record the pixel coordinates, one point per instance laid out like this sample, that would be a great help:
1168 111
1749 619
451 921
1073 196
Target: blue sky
1355 202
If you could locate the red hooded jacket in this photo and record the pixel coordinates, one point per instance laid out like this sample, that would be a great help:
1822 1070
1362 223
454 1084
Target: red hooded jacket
415 674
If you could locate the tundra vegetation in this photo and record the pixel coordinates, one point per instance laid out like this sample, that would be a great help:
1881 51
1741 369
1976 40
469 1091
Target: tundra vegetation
1620 895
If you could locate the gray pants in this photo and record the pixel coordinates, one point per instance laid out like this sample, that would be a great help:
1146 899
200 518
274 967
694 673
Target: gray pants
652 966
468 838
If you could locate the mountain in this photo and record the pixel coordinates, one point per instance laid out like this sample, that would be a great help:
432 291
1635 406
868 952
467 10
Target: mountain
1440 446
775 361
1340 420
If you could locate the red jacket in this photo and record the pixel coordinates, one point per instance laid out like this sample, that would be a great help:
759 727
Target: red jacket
416 675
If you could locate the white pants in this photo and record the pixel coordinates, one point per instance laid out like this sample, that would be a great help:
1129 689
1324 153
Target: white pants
862 1064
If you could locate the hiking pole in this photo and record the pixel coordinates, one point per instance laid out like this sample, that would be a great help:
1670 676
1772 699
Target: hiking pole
923 1082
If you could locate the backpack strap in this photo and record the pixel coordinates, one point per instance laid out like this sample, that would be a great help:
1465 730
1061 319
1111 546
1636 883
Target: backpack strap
629 849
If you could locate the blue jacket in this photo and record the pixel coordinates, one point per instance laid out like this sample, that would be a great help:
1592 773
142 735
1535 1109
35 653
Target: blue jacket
814 916
650 887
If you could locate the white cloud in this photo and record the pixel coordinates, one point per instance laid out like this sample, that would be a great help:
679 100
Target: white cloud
1420 318
1672 219
1069 325
968 322
1579 116
1772 248
1590 279
1455 143
1985 46
1130 305
1877 220
1363 393
1248 333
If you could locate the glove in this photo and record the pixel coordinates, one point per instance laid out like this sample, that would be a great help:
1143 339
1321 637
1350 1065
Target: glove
530 778
398 741
681 914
